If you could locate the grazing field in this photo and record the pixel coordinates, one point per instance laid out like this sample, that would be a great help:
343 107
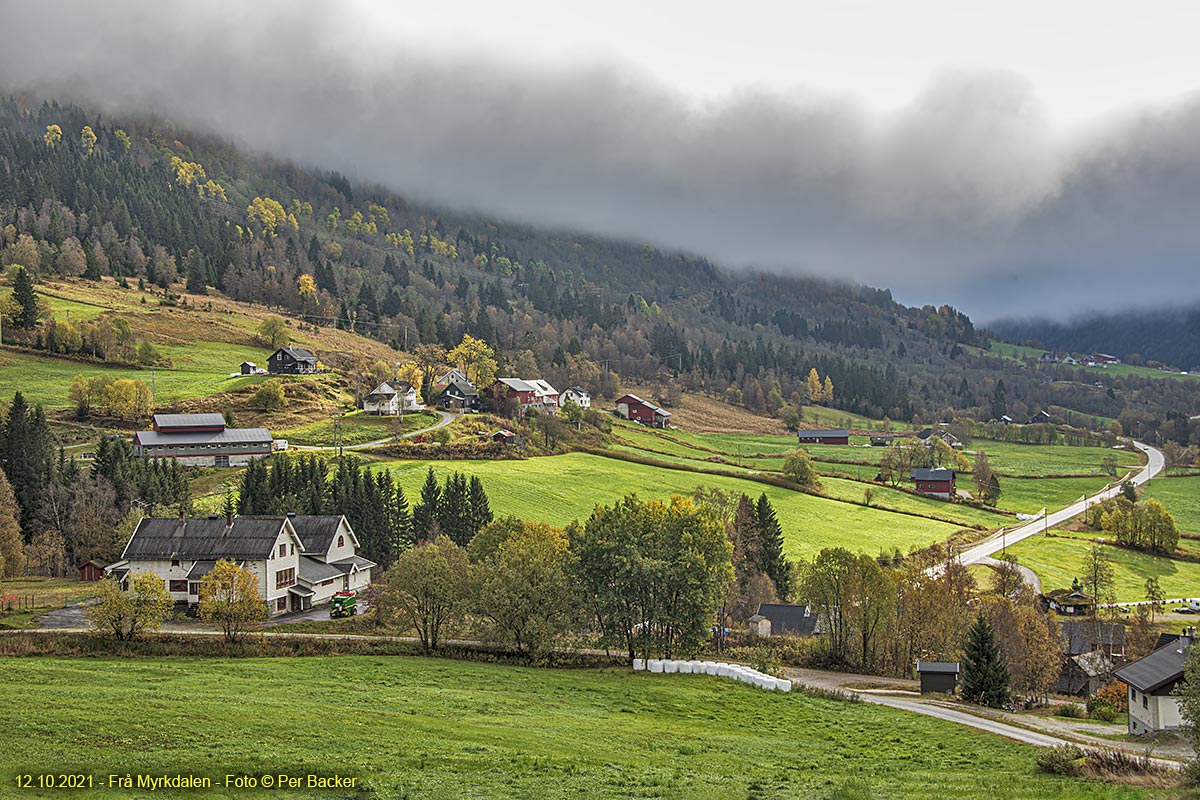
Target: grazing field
896 500
1030 495
1057 561
559 489
1180 496
1031 459
357 428
414 727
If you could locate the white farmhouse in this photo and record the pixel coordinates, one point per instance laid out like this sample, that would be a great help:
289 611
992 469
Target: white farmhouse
576 394
292 575
391 398
1152 680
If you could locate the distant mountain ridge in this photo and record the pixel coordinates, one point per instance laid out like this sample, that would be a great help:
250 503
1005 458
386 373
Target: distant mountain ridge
1170 336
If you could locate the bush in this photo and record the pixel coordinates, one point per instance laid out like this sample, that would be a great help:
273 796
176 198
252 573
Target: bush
1102 710
1114 694
1066 759
1071 710
270 397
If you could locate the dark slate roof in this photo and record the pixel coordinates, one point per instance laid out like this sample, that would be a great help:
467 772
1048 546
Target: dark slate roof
315 571
461 389
227 436
921 474
189 420
346 564
302 591
941 667
1078 636
1165 639
200 569
298 353
822 434
316 532
792 620
203 539
1156 670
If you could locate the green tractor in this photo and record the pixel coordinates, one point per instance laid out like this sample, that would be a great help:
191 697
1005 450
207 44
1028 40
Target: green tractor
343 604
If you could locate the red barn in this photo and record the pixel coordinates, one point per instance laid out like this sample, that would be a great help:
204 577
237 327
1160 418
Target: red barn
91 571
634 408
823 437
523 392
935 482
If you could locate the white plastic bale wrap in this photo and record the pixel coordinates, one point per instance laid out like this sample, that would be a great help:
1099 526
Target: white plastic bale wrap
655 665
783 685
684 667
670 665
639 664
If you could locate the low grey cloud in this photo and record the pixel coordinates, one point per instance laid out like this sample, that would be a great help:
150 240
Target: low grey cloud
967 195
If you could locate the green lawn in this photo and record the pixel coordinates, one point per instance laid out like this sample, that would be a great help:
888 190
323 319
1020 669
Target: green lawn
1029 459
1180 496
357 428
1057 561
558 489
894 499
411 727
199 370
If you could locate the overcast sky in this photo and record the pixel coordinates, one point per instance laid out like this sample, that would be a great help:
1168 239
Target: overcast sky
1004 157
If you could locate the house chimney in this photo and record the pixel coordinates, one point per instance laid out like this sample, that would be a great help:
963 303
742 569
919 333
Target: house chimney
182 515
229 518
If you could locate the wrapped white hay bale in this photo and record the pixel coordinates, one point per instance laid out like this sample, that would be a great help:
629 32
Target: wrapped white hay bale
639 664
684 667
697 667
655 665
783 685
710 668
670 665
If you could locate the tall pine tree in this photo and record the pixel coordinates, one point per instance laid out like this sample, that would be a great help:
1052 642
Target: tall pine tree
985 672
770 550
425 514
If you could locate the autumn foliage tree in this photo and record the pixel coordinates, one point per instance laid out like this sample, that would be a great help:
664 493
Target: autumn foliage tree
427 589
127 614
229 597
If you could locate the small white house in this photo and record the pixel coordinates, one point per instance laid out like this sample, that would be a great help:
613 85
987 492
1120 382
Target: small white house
1152 680
391 398
576 394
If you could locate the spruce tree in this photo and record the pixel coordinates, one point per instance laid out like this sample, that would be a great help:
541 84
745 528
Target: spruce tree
425 514
480 510
25 298
770 549
985 672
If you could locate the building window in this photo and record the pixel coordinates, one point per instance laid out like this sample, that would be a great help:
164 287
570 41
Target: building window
292 550
281 604
175 562
1145 701
177 586
282 550
341 540
285 578
194 588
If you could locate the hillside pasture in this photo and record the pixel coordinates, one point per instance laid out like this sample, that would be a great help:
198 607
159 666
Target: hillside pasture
559 489
1180 496
1011 458
1057 561
417 727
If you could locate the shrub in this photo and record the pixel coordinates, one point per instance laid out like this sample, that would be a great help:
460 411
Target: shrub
1065 759
1072 710
1114 694
1102 710
270 397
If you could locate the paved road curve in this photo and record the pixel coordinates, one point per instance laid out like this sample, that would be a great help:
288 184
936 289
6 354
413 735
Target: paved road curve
446 419
998 542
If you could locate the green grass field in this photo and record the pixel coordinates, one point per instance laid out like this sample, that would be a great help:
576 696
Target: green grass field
558 489
1180 496
1057 561
357 428
424 728
1029 459
1030 495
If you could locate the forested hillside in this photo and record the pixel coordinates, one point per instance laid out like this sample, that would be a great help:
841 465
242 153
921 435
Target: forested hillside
141 200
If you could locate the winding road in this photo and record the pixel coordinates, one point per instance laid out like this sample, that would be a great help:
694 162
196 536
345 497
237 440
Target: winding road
980 553
446 419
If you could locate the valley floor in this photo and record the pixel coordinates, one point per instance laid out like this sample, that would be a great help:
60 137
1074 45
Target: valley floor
414 727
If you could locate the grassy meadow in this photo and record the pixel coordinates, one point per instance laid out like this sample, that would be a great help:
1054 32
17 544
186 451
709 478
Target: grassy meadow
559 489
357 428
412 727
1059 560
1180 496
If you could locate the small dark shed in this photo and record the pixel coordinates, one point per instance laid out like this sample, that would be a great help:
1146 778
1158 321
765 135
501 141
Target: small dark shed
938 677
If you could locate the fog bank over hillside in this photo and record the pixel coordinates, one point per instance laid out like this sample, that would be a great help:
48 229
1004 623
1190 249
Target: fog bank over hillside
966 195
